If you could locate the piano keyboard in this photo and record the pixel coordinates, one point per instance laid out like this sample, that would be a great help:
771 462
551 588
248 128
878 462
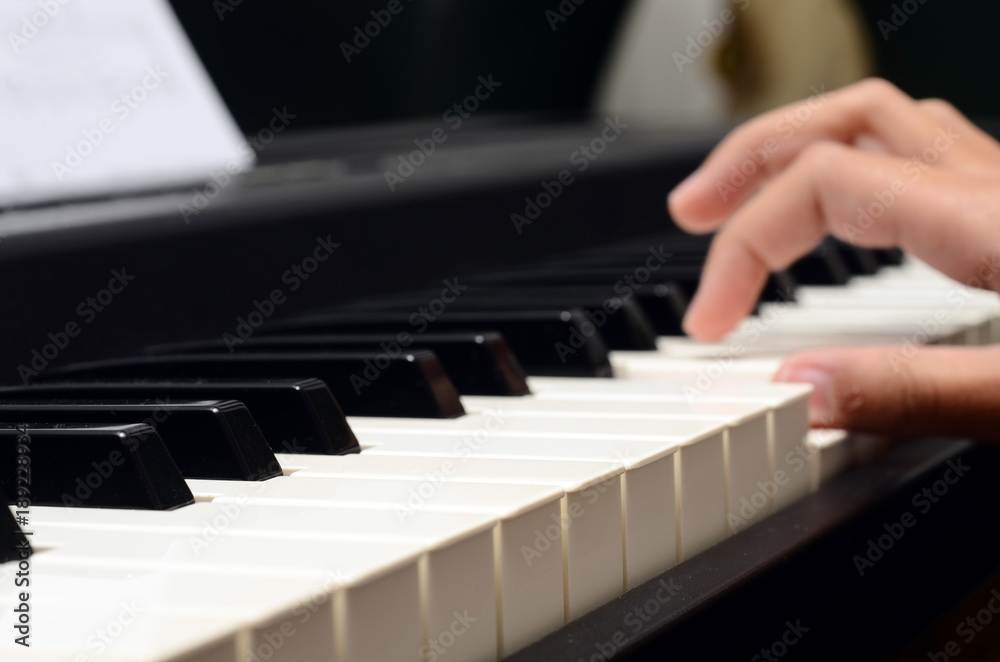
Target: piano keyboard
411 536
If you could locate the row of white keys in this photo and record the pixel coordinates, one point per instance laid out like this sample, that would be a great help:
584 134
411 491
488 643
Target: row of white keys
786 407
530 588
694 480
746 442
251 590
454 569
586 537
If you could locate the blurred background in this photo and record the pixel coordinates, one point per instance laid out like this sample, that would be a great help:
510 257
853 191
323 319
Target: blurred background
664 61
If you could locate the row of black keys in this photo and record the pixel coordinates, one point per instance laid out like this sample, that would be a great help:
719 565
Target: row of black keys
203 426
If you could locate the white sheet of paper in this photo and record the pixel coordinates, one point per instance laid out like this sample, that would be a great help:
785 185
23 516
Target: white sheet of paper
103 96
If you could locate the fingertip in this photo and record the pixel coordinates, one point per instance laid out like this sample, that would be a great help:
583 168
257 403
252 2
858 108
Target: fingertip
691 205
822 404
705 324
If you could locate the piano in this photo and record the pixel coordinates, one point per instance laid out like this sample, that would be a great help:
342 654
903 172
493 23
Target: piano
326 421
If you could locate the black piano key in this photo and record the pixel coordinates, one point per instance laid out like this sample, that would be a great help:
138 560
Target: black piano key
821 267
889 257
556 343
94 466
211 439
624 325
665 307
478 363
14 545
413 385
780 287
859 261
296 416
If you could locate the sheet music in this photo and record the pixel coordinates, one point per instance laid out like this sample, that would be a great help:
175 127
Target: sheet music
99 96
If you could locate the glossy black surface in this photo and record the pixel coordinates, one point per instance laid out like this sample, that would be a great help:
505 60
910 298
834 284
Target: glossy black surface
122 466
624 325
478 363
557 343
413 384
296 416
210 439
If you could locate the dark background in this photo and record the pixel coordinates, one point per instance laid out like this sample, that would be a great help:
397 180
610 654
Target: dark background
273 54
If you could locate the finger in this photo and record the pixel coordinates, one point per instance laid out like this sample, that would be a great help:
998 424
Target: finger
764 146
872 200
980 144
888 390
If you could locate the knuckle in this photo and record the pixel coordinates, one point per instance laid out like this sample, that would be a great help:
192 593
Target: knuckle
938 105
878 89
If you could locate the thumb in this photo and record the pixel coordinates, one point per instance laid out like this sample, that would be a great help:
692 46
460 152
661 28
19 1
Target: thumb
902 390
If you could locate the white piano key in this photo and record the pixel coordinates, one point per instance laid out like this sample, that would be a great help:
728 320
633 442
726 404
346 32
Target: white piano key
651 366
530 585
746 441
700 485
524 424
592 520
948 334
831 453
931 321
787 404
739 347
699 488
284 618
581 481
119 632
456 571
353 575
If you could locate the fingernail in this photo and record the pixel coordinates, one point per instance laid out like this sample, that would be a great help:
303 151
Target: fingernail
821 404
